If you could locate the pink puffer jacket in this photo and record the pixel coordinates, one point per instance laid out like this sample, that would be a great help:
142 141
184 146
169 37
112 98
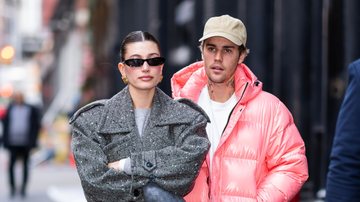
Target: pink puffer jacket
261 155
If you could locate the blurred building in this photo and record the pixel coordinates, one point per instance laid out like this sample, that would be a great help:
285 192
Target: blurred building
299 49
21 38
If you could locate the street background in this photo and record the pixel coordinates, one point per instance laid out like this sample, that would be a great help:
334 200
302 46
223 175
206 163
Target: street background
48 182
52 176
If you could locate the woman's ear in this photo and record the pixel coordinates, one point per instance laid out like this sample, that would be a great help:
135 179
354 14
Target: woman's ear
121 68
162 67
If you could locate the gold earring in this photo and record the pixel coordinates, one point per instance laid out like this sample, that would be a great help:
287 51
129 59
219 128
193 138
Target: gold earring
125 79
161 78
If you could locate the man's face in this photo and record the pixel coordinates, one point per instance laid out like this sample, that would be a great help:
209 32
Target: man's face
221 57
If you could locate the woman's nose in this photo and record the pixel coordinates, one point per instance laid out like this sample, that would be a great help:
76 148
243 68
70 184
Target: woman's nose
145 67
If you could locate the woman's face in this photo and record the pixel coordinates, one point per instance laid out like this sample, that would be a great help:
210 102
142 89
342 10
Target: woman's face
145 76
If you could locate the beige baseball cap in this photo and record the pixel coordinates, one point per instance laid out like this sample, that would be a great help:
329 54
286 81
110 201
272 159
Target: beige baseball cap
225 26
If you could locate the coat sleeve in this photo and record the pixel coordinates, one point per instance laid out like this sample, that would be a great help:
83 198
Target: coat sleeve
35 126
175 168
343 182
6 128
98 181
286 160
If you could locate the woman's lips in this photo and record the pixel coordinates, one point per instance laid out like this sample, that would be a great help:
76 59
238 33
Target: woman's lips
145 78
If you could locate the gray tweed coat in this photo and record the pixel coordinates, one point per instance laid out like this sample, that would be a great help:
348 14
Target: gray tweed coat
169 153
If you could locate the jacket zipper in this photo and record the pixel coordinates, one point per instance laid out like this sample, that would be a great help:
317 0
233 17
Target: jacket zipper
242 95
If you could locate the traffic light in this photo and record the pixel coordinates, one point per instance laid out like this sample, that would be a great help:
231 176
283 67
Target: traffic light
7 54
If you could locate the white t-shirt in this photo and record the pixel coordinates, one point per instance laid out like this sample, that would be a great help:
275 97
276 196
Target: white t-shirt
219 114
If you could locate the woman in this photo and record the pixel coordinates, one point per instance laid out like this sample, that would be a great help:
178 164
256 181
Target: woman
140 138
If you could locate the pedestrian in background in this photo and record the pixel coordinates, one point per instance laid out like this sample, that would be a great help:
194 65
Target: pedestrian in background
256 153
2 115
343 178
21 124
139 145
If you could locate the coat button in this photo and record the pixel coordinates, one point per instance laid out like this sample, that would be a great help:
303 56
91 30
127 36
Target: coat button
149 164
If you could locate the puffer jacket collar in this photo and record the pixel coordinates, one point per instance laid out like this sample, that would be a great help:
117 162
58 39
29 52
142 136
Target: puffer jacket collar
189 81
118 114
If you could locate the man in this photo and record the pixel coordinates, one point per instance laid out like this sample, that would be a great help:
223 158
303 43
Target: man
21 128
343 179
256 153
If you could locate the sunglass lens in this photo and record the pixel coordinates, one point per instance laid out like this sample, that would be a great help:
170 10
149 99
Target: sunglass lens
156 61
139 62
134 62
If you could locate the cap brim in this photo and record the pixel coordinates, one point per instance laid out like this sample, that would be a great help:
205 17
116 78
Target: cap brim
222 34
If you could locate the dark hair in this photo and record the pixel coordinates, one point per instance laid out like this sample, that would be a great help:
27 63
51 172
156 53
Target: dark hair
136 36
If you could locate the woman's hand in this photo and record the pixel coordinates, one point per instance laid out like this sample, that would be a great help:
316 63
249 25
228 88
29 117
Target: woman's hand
117 165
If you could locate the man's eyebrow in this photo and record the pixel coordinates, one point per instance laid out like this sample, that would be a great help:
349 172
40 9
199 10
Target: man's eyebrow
228 47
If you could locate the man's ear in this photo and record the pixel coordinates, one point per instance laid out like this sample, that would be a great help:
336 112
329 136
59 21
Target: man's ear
242 58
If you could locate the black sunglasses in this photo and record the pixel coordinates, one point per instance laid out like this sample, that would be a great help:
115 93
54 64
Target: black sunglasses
139 62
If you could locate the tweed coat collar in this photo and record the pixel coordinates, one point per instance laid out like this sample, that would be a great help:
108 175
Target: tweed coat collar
118 114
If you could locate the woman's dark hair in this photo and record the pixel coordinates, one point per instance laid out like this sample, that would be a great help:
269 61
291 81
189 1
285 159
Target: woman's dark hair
136 36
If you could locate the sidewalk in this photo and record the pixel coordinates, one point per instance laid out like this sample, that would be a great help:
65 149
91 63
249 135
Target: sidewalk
48 182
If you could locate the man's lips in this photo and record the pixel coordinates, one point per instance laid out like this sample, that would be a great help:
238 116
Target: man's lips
217 69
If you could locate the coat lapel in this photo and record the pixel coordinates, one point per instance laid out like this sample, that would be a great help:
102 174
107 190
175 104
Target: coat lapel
118 114
164 111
